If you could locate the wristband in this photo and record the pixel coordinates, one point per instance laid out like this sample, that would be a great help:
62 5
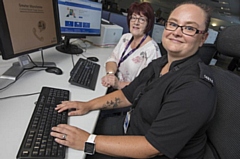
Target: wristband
110 72
89 147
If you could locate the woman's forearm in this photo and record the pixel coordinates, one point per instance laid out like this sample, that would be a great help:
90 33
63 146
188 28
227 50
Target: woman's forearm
111 67
112 100
125 146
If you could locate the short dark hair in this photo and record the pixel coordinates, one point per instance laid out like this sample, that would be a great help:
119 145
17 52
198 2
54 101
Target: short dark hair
145 9
207 9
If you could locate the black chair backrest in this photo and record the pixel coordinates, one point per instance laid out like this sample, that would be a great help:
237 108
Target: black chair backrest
207 52
228 41
162 49
224 131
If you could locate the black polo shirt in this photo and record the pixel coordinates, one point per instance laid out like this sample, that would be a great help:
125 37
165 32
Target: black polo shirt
173 111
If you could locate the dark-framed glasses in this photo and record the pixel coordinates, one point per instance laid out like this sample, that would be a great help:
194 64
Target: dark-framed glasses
187 30
140 19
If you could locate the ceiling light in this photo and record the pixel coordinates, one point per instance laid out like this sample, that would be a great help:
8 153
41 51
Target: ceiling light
219 1
222 2
214 24
224 8
225 13
222 27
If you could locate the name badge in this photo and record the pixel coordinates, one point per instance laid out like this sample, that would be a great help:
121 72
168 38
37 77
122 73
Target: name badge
127 121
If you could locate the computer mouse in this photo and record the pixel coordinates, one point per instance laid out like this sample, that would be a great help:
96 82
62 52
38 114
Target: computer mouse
94 59
55 70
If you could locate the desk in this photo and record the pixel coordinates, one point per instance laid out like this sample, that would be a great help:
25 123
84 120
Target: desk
15 113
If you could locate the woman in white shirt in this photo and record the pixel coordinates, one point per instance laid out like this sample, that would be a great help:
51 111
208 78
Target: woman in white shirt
135 50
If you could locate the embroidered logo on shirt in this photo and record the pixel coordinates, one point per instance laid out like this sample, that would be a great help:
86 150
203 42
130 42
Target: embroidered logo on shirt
208 78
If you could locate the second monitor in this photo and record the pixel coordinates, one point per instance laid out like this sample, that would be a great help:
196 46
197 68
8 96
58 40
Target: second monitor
78 19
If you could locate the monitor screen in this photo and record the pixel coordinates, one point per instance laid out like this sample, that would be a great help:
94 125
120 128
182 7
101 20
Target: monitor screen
78 19
27 26
212 35
157 32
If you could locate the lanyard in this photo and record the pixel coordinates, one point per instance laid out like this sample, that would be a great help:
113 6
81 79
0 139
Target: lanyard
123 58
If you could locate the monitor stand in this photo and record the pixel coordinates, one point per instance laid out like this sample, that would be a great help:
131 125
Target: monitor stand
68 48
24 63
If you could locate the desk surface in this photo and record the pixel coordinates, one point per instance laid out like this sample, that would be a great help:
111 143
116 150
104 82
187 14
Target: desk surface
15 112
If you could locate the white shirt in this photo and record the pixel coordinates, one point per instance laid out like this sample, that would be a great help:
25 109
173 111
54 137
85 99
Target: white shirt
138 60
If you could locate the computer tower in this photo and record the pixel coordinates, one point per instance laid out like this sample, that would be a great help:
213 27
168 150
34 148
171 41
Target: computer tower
110 35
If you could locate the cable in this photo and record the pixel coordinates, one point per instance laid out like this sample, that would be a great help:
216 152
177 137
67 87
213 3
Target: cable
84 56
42 66
12 82
76 42
31 60
42 56
84 51
21 95
72 60
25 70
7 86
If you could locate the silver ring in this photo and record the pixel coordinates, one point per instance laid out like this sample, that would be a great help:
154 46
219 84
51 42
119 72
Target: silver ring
64 136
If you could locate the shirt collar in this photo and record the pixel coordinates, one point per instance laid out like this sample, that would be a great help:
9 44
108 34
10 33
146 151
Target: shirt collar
162 61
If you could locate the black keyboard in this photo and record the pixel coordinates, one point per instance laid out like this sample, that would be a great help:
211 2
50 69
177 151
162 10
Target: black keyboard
37 142
84 74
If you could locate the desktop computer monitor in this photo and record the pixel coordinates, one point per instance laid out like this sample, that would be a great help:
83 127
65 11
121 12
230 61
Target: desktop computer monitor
27 26
78 19
157 32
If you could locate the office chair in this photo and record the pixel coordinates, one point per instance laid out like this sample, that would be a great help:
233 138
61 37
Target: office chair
105 14
228 43
224 131
120 20
162 49
207 52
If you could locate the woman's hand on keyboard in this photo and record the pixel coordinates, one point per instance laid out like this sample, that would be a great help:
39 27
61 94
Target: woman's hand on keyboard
74 107
70 136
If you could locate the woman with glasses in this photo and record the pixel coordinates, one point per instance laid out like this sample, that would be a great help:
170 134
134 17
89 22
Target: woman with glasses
134 51
172 100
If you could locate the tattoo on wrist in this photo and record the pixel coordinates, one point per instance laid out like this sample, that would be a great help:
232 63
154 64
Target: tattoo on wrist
113 104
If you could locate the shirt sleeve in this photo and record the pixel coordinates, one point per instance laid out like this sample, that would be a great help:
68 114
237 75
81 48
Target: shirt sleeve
119 48
135 87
